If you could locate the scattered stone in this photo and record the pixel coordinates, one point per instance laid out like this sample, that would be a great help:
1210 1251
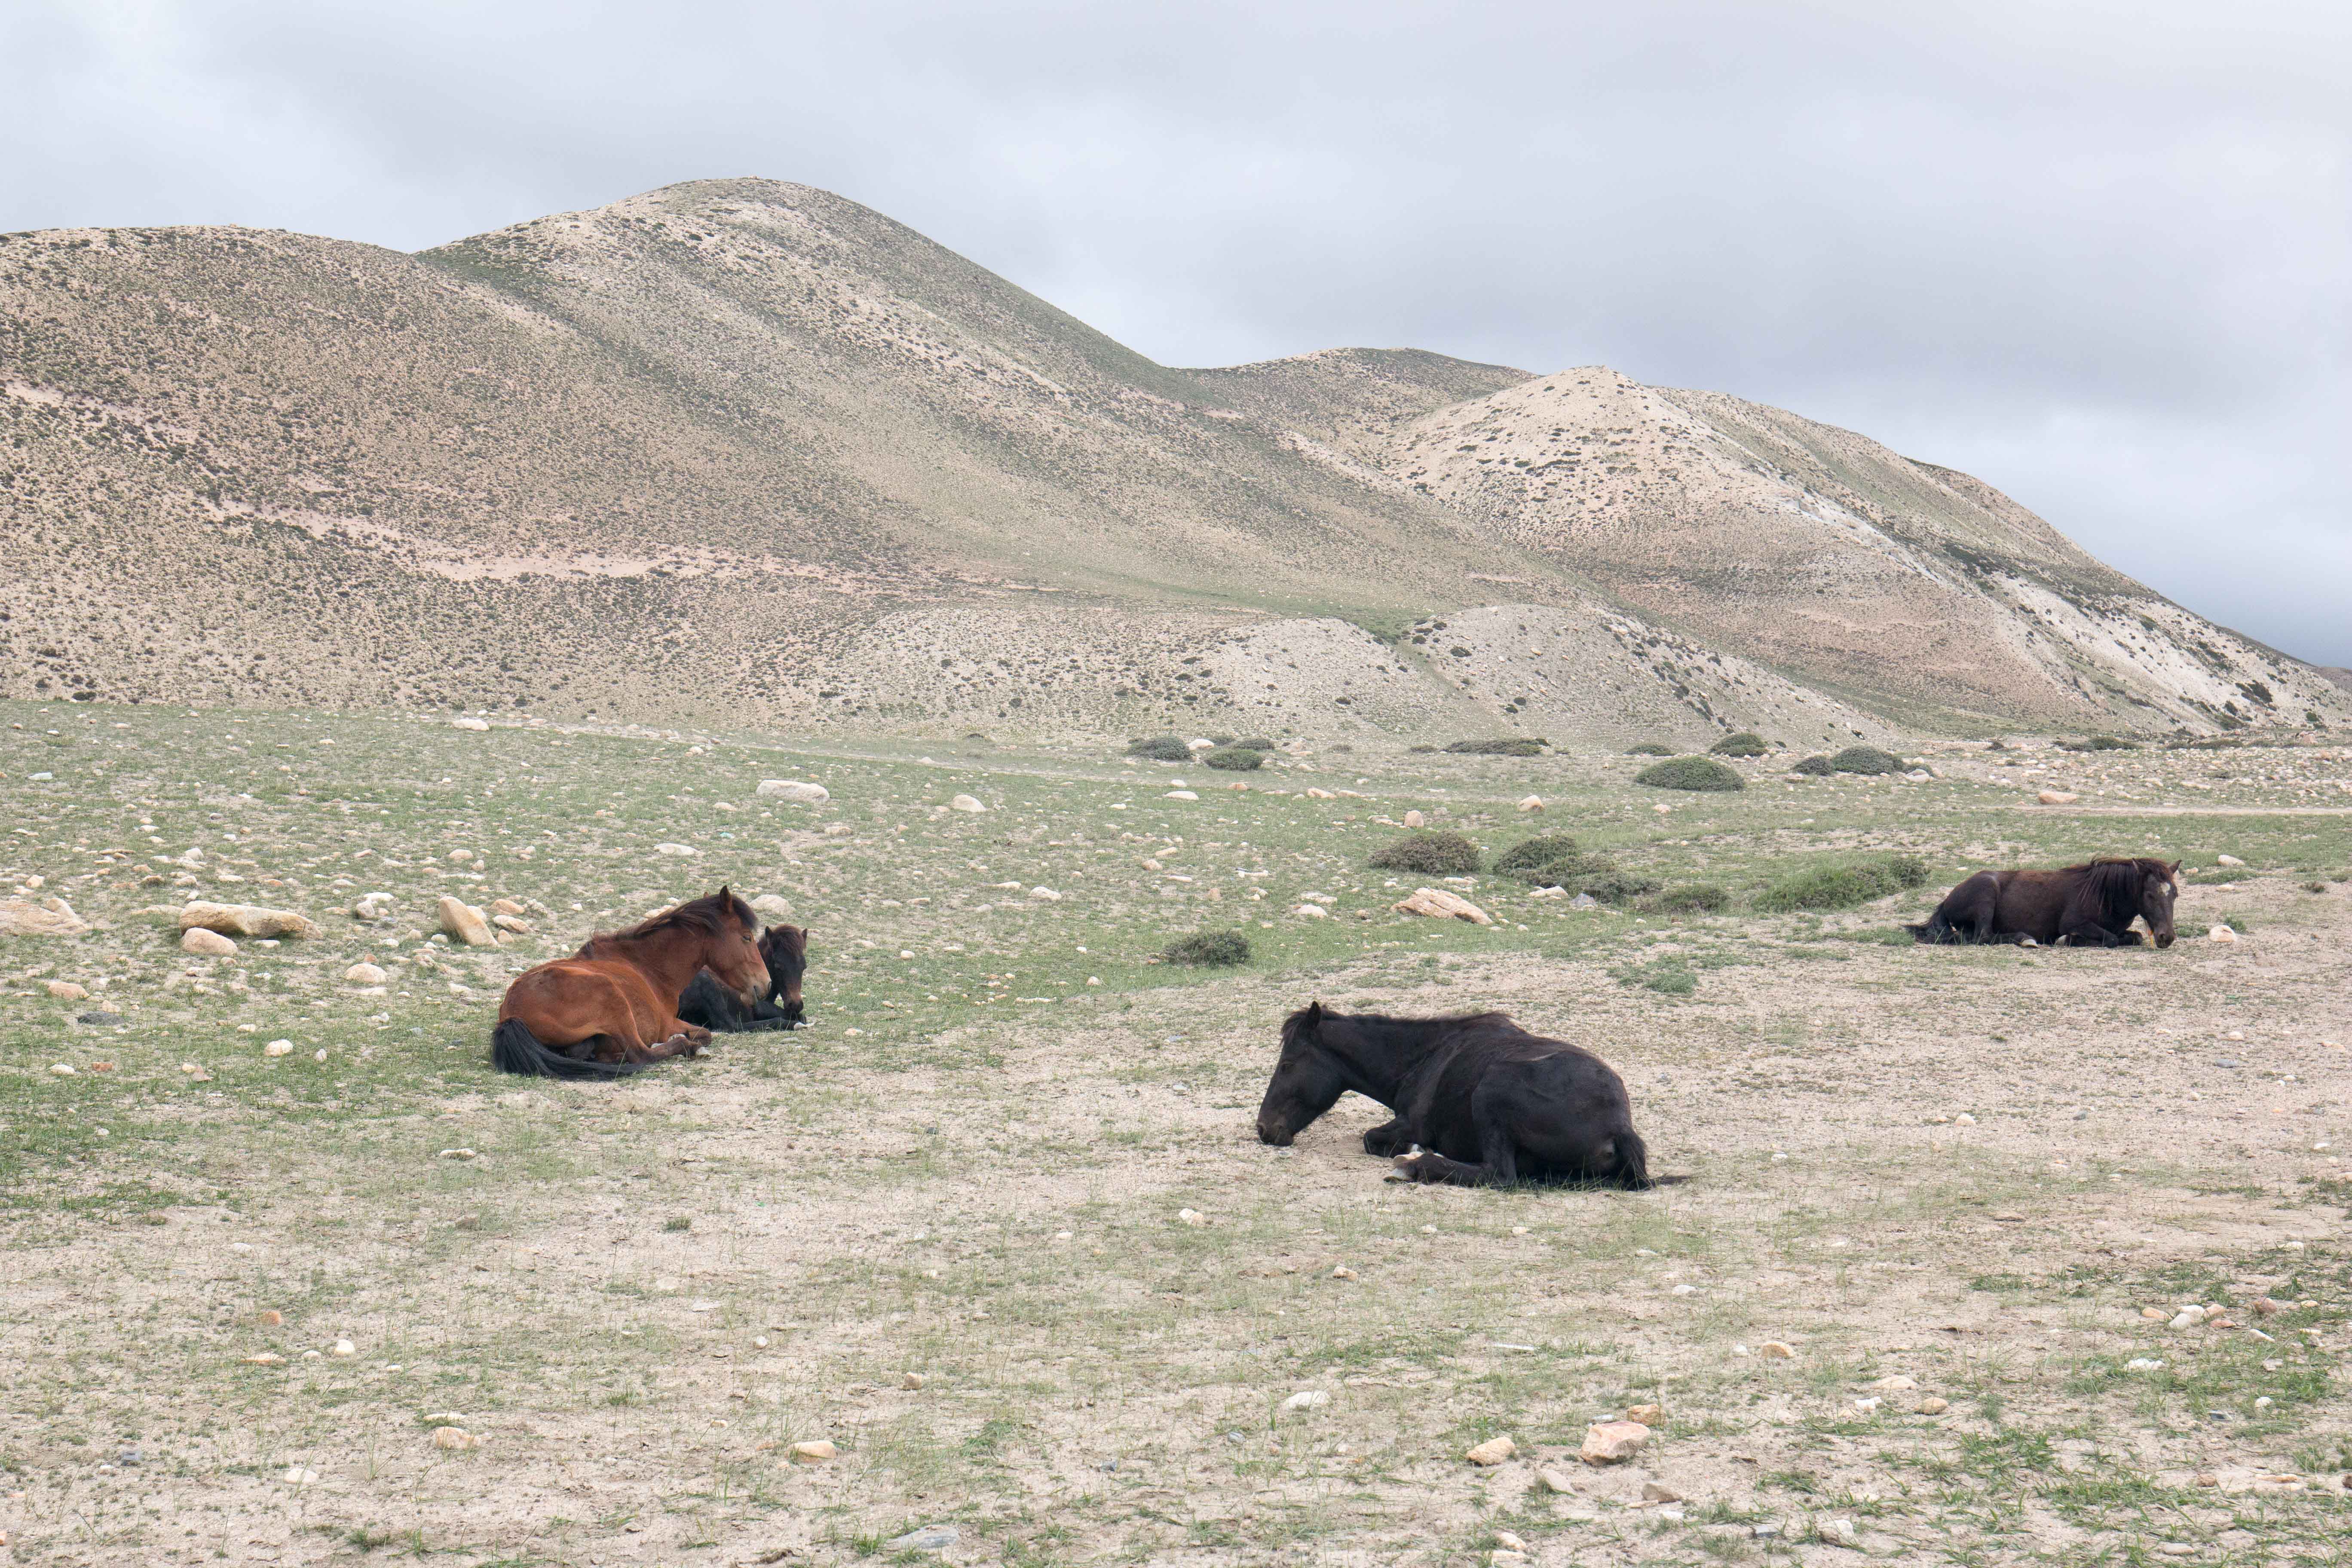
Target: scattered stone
2227 860
247 919
768 906
816 1453
67 991
1412 820
445 1418
2186 1320
364 974
1647 1414
63 1069
278 1048
1964 1119
465 922
1773 1349
2156 1314
1312 912
1191 1216
456 1438
1493 1451
929 1537
1895 1384
1439 904
372 908
793 790
1840 1532
468 1154
299 1476
469 723
2263 1307
1183 795
271 1318
1046 895
344 1348
1934 1406
509 907
1584 901
965 803
1343 1272
1531 802
1658 1491
1307 1399
676 851
1312 793
50 916
2220 933
912 1380
2057 797
1613 1442
265 1358
1556 1480
514 923
1509 1541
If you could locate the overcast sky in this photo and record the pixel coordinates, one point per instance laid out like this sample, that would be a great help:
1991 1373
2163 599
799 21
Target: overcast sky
2099 254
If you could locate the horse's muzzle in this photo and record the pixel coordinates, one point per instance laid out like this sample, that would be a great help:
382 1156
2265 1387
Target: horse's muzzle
1274 1131
2164 938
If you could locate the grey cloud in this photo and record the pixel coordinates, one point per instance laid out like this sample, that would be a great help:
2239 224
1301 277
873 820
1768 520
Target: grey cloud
2100 254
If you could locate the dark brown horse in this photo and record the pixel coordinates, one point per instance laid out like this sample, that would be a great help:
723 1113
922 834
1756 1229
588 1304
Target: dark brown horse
1494 1104
610 1009
707 1001
2090 905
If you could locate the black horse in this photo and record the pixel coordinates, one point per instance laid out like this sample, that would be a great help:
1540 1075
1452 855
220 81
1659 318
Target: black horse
2090 905
706 1002
1493 1103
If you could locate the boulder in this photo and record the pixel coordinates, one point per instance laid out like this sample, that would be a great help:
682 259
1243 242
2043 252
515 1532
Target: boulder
511 922
1415 820
1532 802
965 803
768 906
247 919
372 906
1439 904
2057 797
50 916
211 944
364 974
465 923
1493 1451
1613 1442
793 790
67 991
509 907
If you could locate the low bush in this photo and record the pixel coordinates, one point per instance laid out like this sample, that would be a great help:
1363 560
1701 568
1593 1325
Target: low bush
1215 949
1614 887
1254 743
1867 759
1817 767
2100 743
1746 743
1235 759
1161 748
1529 853
1843 887
1510 746
1690 772
1429 855
1650 749
1690 899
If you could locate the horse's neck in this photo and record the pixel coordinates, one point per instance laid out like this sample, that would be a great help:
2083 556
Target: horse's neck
1381 1056
665 960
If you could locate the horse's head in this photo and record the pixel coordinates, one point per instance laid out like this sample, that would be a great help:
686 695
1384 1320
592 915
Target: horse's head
2160 887
1306 1082
784 950
732 952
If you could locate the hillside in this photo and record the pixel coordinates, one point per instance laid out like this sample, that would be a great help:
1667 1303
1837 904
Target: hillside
744 449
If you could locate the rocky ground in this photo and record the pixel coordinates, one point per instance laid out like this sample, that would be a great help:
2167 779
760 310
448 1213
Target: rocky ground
2053 1240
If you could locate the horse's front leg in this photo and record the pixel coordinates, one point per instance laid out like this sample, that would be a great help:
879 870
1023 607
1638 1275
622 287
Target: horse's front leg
1391 1137
1497 1166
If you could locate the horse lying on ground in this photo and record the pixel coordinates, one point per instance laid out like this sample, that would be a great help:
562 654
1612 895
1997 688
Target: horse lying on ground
709 1002
1493 1103
609 1010
2090 905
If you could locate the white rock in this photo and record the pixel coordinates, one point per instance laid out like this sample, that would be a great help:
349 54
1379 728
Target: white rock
278 1048
965 803
1047 894
1415 819
63 1069
372 906
2222 933
1307 1399
2227 860
816 1453
793 790
344 1347
1191 1216
1312 911
299 1476
2142 1363
364 974
1613 1442
2187 1319
1556 1480
678 851
2057 797
769 906
1202 743
247 919
1532 802
1439 904
469 723
462 920
455 1438
1964 1119
1181 794
67 991
1493 1451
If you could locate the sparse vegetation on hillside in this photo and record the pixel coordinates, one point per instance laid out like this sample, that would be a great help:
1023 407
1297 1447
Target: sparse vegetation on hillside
1703 773
1235 759
1814 767
1161 748
1650 749
1509 747
1429 854
1867 759
1843 887
1746 743
1209 949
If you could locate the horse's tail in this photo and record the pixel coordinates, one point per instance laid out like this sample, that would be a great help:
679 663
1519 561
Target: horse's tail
1633 1161
1935 929
514 1048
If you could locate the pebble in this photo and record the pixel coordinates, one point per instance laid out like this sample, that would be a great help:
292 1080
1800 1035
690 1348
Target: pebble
264 1358
1773 1349
793 790
365 975
1894 1385
1841 1530
299 1476
457 1154
211 944
1191 1216
469 723
2057 797
679 850
965 803
2186 1320
63 1069
1611 1442
1343 1272
1964 1119
1658 1491
345 1347
1045 894
278 1048
815 1452
2154 1314
912 1380
2220 933
67 991
1493 1451
2227 860
1647 1414
453 1437
1183 795
462 920
1868 1404
1307 1399
1932 1406
1531 802
1556 1480
271 1318
1415 819
1312 912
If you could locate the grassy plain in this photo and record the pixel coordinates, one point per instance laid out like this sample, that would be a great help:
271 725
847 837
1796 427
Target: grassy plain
971 1171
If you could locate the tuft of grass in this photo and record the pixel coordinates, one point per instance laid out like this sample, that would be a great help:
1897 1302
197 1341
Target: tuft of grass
1509 747
1666 976
1701 774
1746 743
1161 748
2099 743
678 1222
1867 759
1843 887
1429 854
1236 759
1213 948
1818 767
1531 853
1650 749
1690 899
1254 743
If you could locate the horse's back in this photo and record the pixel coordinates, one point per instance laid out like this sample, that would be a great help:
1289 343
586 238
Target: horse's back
577 997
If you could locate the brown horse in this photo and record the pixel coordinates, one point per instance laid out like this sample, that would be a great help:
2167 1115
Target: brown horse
2090 905
611 1009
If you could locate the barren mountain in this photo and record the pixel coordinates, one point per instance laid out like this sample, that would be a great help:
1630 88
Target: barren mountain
739 449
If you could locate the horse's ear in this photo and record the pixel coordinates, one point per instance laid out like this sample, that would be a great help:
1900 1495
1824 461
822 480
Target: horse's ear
2173 871
1315 1011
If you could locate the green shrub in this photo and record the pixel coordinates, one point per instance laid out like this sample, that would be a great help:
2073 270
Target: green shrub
1161 748
1219 740
1650 749
1690 899
1429 855
1235 759
1867 759
1528 854
1614 887
1818 767
1843 887
1217 949
1746 743
1690 772
1254 743
2100 743
1511 746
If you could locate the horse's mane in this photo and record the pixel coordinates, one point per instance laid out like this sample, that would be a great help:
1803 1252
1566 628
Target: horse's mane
2111 886
1297 1022
708 915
